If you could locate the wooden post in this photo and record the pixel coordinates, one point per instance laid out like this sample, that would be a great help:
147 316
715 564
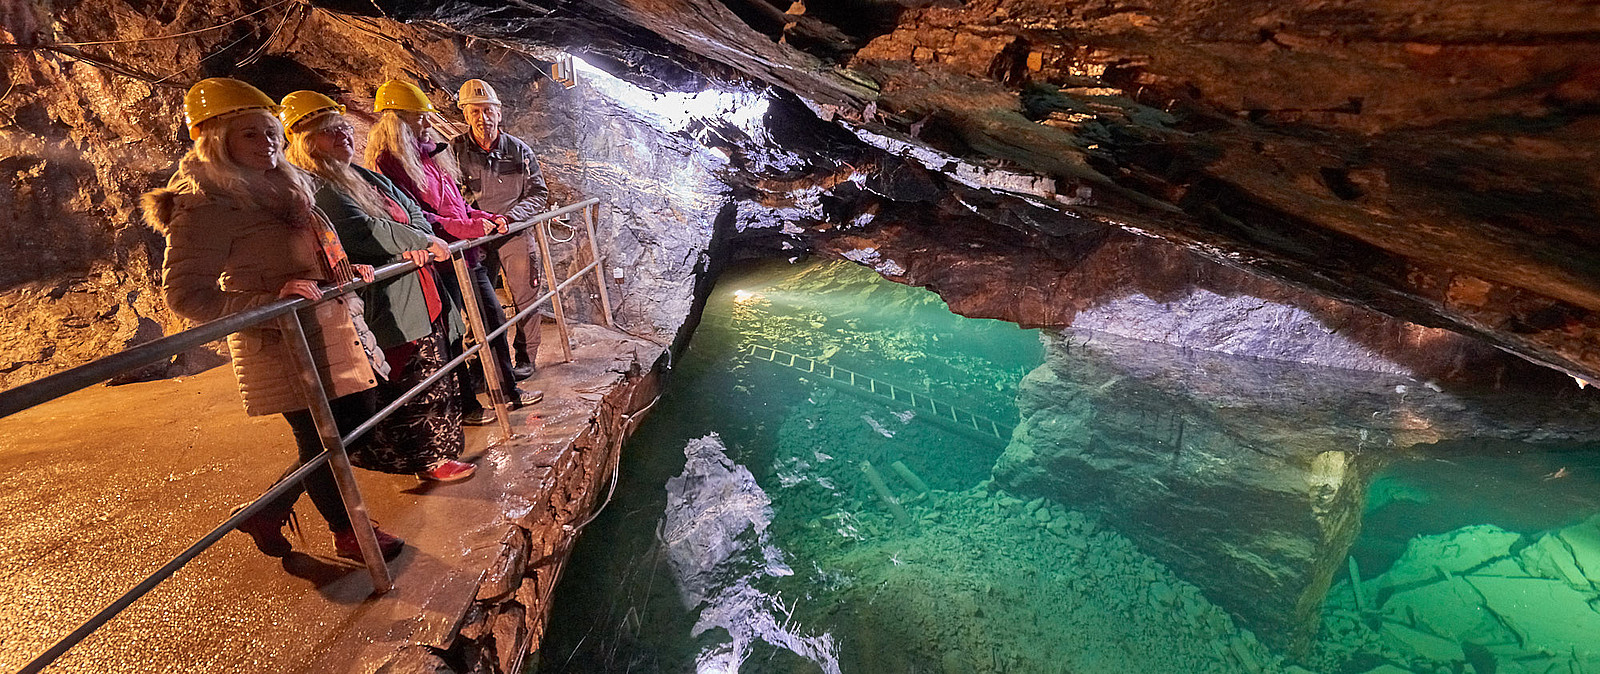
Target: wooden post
491 370
338 460
542 236
599 268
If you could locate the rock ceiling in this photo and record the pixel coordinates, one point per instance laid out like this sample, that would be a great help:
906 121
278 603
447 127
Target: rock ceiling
1429 159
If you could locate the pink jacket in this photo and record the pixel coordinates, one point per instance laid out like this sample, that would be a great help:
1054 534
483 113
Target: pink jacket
440 197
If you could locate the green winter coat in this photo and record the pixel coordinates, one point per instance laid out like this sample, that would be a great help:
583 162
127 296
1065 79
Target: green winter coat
396 309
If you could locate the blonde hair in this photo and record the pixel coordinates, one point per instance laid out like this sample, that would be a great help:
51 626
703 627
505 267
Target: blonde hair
302 152
392 135
209 169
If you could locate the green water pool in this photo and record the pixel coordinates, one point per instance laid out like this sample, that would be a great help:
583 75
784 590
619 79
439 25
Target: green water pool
843 476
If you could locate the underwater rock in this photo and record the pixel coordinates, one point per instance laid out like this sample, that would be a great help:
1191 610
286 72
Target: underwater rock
1407 640
1163 593
715 533
1204 462
1552 557
1427 558
1576 550
1450 609
1247 477
1462 597
1546 615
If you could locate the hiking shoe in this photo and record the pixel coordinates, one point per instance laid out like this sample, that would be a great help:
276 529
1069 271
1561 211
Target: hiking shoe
482 417
265 528
449 471
523 397
345 545
523 371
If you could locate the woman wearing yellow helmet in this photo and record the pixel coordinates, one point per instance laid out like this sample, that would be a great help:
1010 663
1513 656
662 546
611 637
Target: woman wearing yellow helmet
242 231
402 148
413 323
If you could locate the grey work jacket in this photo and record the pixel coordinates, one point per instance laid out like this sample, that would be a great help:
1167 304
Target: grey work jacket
505 179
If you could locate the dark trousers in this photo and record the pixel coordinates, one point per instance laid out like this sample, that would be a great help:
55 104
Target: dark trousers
348 412
471 377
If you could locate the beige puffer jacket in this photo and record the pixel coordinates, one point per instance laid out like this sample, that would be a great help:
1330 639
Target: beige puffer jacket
224 257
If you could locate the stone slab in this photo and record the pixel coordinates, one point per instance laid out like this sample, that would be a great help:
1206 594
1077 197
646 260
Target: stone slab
1546 614
1406 639
1449 609
1584 541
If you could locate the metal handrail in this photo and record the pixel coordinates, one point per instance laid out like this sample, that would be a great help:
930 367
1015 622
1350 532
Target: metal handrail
72 380
48 388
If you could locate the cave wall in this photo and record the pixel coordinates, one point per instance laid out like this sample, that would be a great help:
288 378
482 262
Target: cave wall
84 130
661 193
1427 160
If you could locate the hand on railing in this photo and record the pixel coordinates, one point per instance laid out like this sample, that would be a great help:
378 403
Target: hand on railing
364 271
306 288
439 249
419 257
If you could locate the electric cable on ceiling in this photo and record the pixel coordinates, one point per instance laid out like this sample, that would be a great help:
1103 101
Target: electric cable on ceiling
168 37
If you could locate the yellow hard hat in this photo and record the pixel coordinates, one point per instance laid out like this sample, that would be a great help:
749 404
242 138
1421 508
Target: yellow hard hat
304 105
217 96
398 95
476 91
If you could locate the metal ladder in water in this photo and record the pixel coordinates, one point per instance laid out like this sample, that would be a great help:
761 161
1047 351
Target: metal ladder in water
962 419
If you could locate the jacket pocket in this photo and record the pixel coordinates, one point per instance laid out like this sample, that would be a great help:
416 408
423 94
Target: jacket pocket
252 341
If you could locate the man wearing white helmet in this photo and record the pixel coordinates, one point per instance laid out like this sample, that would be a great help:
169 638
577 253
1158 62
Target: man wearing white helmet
501 175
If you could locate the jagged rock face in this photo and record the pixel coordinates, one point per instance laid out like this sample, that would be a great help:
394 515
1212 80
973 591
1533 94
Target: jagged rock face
660 191
1431 161
89 128
1246 476
1156 291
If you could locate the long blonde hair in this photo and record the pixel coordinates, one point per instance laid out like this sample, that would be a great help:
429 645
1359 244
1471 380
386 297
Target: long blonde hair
302 152
392 135
210 170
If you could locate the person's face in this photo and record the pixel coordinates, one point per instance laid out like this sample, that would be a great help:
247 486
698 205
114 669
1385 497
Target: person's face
256 142
419 122
484 118
335 140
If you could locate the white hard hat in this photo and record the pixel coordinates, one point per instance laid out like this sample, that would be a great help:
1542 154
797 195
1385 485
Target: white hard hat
477 91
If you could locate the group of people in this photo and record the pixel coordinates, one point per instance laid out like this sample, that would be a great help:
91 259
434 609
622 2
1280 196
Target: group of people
270 203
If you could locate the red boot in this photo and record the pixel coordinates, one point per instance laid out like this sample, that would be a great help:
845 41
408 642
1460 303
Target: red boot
449 471
345 545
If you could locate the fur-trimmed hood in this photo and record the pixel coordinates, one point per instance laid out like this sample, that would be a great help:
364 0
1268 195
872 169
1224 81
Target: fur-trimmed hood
159 204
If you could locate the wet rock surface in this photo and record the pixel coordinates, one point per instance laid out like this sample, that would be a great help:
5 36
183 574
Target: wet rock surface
113 495
1425 160
1247 477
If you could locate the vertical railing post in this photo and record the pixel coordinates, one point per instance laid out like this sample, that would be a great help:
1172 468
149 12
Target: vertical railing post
486 356
599 269
338 460
541 234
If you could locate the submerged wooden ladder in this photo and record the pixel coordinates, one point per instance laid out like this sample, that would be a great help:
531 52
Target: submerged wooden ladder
942 410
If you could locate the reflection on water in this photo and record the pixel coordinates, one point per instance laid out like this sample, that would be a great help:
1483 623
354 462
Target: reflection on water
843 476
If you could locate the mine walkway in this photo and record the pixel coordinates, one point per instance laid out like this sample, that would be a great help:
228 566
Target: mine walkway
103 486
117 550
